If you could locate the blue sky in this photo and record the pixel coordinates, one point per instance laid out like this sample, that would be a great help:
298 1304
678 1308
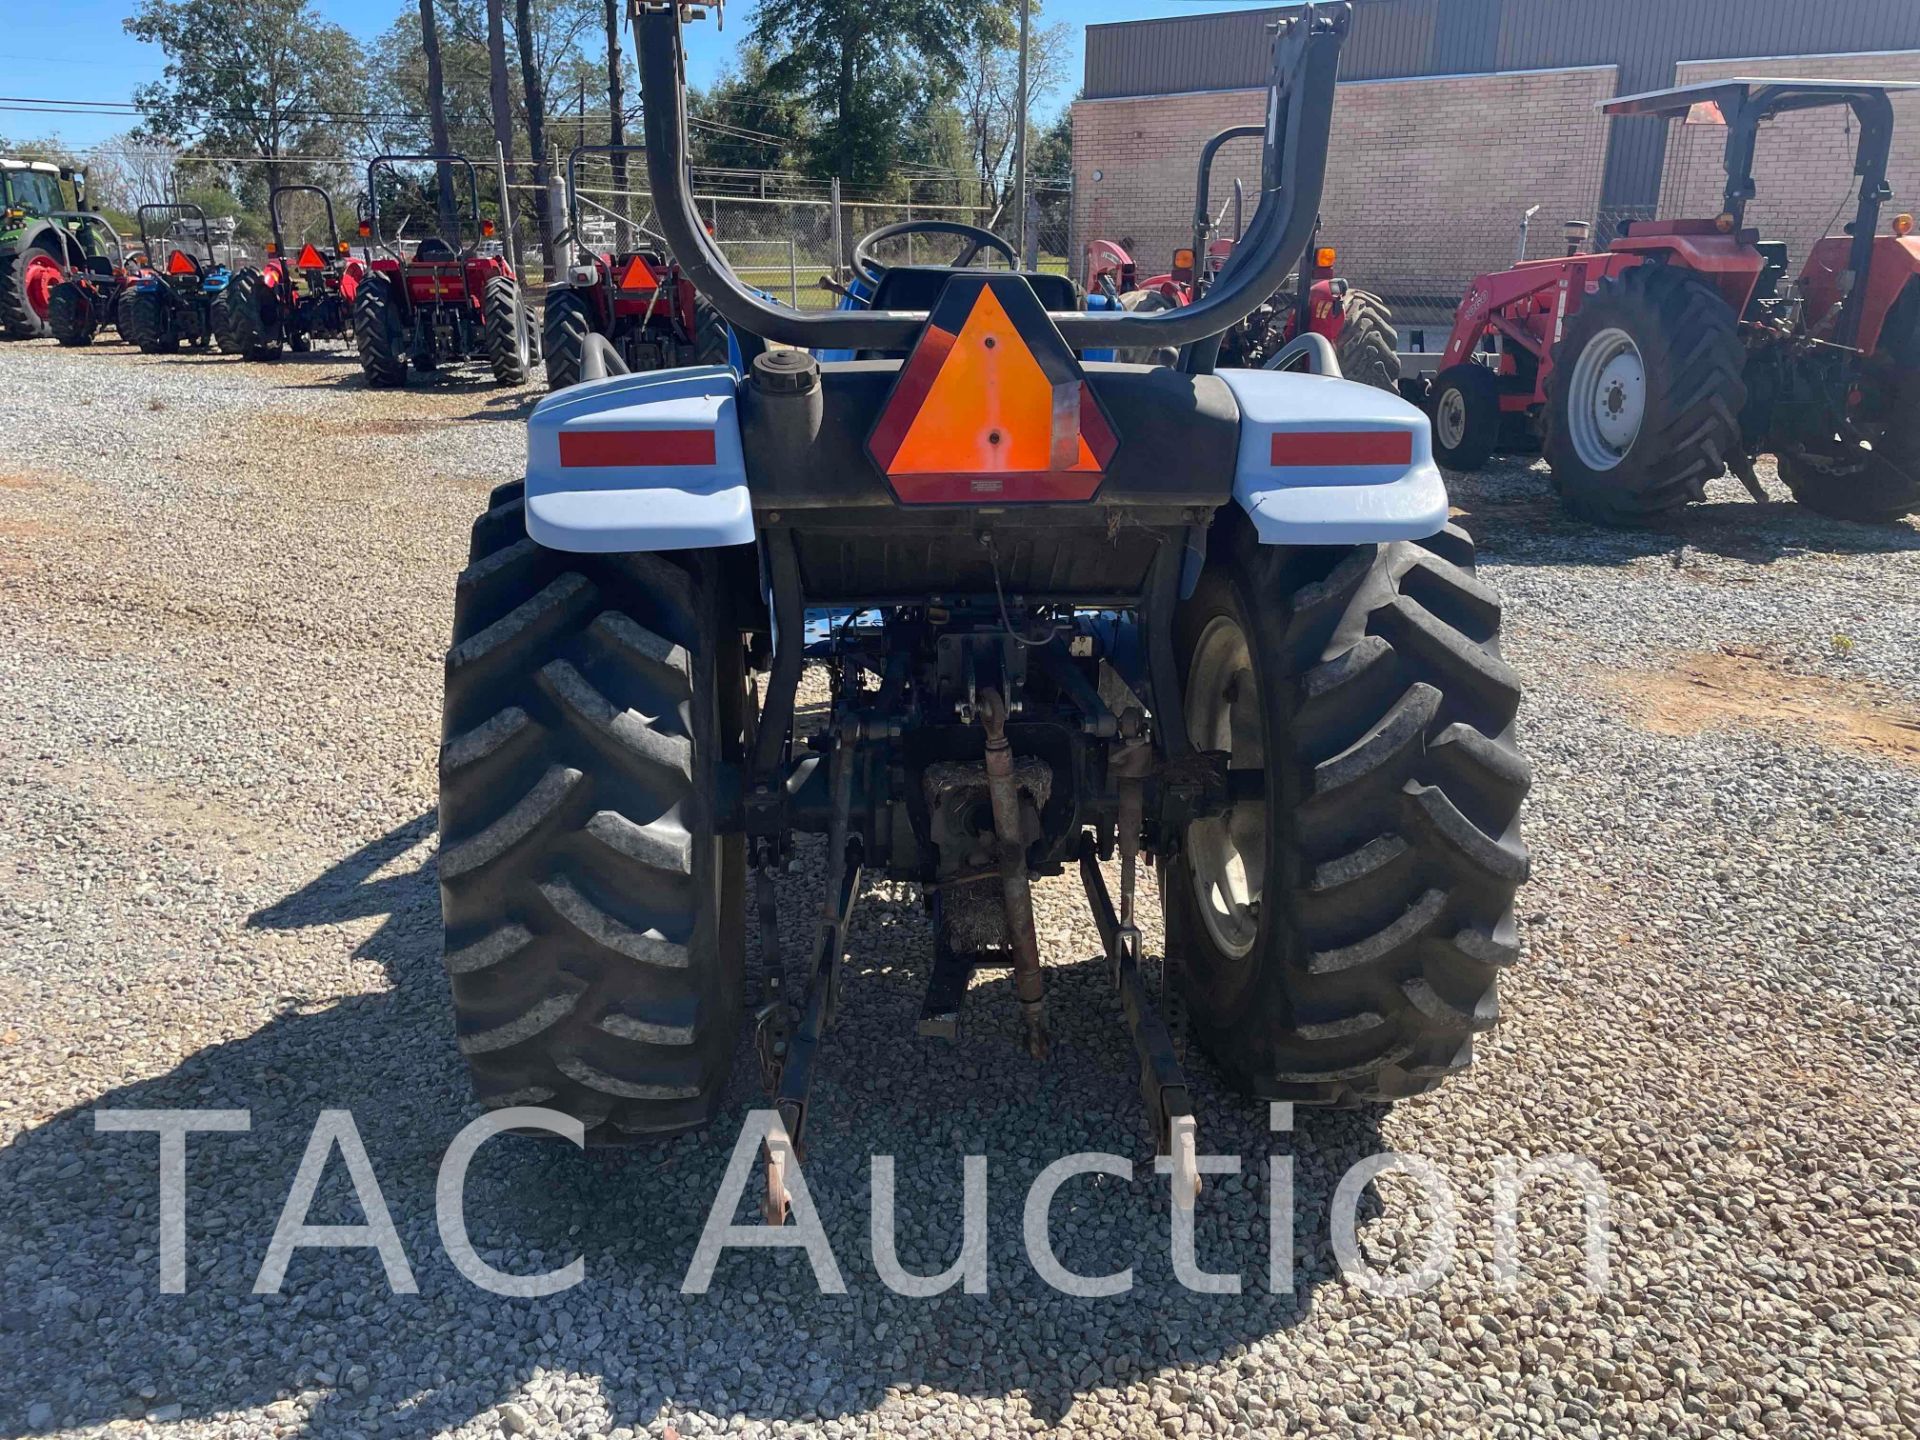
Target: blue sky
77 50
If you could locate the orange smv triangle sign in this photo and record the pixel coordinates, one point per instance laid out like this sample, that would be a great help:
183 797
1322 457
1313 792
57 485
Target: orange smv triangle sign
179 263
992 410
310 259
639 275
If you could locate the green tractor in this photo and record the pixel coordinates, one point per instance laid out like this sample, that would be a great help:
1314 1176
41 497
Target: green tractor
42 235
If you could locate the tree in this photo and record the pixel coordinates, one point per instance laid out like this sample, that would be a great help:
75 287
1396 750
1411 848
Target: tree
498 101
746 121
866 66
437 116
270 81
988 98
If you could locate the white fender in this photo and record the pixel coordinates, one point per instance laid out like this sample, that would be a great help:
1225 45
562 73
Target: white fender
640 462
1325 461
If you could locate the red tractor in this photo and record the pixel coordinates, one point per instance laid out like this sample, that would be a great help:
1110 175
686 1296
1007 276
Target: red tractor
1682 350
636 297
1355 322
293 299
447 302
95 288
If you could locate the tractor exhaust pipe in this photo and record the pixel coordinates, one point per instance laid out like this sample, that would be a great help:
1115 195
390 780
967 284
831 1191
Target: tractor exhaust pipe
1029 984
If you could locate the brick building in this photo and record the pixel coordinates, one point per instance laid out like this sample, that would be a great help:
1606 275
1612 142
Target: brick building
1455 116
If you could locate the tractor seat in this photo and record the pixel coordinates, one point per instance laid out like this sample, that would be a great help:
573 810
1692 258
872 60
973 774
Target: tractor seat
436 250
100 265
916 287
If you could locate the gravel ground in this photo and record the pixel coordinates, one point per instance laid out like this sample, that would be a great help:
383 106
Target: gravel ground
224 589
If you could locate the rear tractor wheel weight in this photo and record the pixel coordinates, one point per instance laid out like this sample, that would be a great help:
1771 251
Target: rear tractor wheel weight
1340 939
1644 396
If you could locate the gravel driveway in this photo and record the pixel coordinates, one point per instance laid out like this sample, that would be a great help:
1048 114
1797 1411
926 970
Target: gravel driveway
224 590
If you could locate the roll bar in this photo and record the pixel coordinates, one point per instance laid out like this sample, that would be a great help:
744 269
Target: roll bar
273 216
1306 57
89 220
390 161
1202 207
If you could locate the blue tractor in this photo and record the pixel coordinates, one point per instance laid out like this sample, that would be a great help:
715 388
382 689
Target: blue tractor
1306 729
182 298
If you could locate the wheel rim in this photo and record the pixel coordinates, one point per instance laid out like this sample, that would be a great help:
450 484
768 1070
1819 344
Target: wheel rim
1450 418
1606 399
1227 854
43 273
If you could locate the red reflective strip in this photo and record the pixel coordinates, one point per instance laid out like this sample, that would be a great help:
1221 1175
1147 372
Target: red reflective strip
1342 447
590 449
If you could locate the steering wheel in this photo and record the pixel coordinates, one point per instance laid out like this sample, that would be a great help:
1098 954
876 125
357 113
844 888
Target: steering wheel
871 270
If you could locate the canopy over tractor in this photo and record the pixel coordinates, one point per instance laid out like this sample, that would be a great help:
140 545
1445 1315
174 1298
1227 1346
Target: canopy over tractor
1082 612
1684 349
302 293
441 301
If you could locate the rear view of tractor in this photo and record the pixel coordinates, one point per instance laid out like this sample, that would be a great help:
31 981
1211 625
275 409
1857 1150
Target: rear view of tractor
298 295
1311 742
635 298
95 287
441 300
44 234
1688 347
181 300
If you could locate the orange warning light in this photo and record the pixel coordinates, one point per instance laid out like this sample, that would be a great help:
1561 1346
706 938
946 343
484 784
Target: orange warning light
310 260
180 263
991 405
639 275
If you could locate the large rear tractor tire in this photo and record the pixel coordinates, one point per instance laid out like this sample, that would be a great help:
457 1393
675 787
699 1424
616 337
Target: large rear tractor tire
70 314
1643 403
254 326
153 327
1849 481
1369 346
219 325
27 280
509 331
712 341
1465 408
379 334
594 916
568 322
1341 937
123 315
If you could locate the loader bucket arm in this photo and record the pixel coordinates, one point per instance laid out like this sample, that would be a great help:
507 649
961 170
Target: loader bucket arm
1293 168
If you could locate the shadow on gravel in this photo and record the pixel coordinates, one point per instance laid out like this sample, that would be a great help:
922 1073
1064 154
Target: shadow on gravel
85 1329
1513 514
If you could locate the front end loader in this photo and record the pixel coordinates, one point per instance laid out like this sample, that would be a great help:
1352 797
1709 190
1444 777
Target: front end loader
1688 347
1089 618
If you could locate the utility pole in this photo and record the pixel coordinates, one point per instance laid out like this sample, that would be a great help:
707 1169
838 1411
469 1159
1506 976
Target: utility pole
1020 144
